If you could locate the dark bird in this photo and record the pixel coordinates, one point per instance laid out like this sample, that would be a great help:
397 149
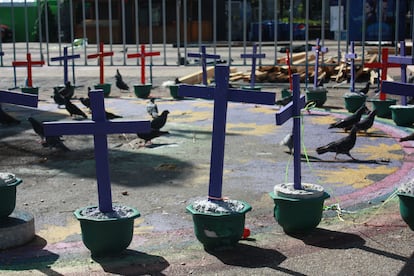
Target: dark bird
159 122
120 82
284 101
85 101
54 142
147 137
341 146
37 127
74 110
67 91
365 123
7 119
288 142
350 120
110 116
409 137
152 108
365 89
57 97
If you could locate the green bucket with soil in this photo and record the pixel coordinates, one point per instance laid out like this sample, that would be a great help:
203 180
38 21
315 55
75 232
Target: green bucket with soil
407 208
30 90
354 101
382 107
106 87
8 184
174 92
142 91
402 115
318 96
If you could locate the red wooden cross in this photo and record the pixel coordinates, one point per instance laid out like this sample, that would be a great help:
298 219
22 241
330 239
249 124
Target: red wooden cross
28 63
101 56
383 65
142 55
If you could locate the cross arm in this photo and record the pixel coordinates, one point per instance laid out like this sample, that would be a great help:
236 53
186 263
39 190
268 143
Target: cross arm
196 91
253 55
95 128
65 57
287 111
18 98
136 55
398 88
401 60
251 96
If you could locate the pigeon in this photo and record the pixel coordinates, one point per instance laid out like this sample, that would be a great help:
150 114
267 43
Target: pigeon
54 142
409 137
85 101
37 127
7 119
110 116
152 108
67 92
364 90
284 101
120 82
73 109
147 137
365 123
159 122
341 146
350 120
288 141
57 97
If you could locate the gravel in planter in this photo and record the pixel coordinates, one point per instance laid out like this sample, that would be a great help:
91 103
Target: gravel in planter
407 188
119 211
7 178
218 207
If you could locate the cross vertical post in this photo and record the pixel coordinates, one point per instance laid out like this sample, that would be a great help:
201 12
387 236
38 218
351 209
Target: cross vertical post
404 61
253 56
142 55
289 69
99 127
203 57
317 49
352 56
65 59
383 66
28 63
221 94
101 56
292 110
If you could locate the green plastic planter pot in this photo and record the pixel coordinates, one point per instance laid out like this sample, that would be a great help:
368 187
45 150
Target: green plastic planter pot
317 95
407 208
402 115
30 90
174 92
8 197
142 90
382 107
106 236
298 215
354 101
248 87
286 93
106 87
215 230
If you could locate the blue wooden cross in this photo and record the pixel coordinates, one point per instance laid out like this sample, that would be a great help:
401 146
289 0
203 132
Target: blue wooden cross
203 57
317 49
404 61
99 127
221 94
18 98
65 59
292 110
352 56
253 56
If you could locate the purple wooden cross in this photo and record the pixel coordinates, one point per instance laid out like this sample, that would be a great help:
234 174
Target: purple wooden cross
317 49
352 56
404 61
1 53
203 57
65 59
221 94
253 56
100 127
292 110
18 98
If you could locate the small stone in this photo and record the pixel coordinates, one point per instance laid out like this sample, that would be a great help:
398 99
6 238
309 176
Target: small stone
182 263
125 193
42 200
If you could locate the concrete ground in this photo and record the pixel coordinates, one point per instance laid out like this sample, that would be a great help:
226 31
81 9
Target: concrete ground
367 238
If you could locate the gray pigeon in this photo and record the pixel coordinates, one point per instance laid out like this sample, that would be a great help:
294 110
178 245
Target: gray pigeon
341 146
152 108
288 142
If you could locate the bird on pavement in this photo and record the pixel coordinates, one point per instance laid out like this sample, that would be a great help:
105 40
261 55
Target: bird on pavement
364 90
57 97
341 146
409 137
147 137
111 116
67 91
365 123
288 141
350 120
54 142
85 101
74 110
37 127
160 121
152 108
284 101
120 82
7 119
